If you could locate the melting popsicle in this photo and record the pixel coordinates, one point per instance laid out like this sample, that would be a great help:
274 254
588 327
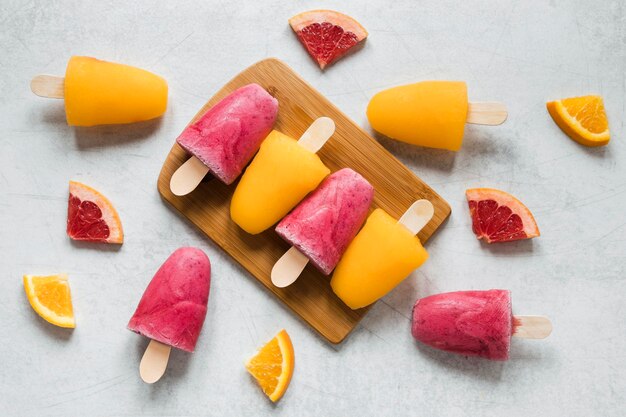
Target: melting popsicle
99 92
225 138
430 113
280 176
474 323
381 255
323 224
171 311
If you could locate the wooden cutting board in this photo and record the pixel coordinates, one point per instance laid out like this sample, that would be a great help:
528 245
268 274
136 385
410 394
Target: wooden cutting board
299 104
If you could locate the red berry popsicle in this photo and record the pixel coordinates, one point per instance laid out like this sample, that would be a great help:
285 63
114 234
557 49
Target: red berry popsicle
171 311
323 225
225 138
474 323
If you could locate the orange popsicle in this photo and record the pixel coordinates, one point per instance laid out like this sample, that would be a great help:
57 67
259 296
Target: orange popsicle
379 258
430 113
282 173
98 92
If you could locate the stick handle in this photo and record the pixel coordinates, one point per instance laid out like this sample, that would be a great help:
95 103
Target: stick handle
417 216
188 176
317 134
154 361
532 327
486 113
48 86
288 268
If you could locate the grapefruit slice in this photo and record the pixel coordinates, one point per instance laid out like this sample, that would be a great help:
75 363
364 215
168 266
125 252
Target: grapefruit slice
273 365
50 297
327 35
91 217
499 217
582 118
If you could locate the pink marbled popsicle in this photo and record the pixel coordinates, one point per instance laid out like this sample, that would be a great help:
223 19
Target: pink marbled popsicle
325 222
472 323
228 135
173 307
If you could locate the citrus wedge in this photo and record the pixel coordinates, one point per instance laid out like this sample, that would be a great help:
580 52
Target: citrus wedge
582 119
91 216
327 35
499 217
50 297
272 366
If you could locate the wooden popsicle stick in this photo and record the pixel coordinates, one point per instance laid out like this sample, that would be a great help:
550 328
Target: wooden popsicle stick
317 134
486 113
417 216
289 267
154 361
188 176
532 327
48 86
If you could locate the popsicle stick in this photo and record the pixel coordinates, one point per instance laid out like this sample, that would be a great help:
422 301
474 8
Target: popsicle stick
486 113
48 86
188 176
154 362
532 327
317 134
417 216
288 268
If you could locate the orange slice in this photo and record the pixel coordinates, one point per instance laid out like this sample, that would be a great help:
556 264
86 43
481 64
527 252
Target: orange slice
582 119
499 217
50 297
273 365
327 35
91 216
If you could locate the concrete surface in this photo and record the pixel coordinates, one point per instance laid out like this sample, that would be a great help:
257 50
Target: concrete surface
520 53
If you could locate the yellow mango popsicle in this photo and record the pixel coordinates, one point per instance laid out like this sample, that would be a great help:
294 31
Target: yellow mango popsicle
99 92
383 254
428 113
278 178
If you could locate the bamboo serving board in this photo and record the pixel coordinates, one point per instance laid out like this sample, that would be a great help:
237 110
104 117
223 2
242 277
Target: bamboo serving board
208 207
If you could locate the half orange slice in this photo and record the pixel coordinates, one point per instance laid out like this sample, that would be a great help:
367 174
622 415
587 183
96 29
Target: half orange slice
50 298
582 119
272 366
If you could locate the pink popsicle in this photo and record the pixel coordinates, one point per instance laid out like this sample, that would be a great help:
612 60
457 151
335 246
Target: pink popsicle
173 307
228 135
472 323
323 224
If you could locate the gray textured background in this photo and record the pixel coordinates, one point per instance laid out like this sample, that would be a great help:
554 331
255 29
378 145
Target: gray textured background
520 53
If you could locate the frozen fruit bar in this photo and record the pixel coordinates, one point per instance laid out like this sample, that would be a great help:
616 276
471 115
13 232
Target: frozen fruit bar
228 135
322 226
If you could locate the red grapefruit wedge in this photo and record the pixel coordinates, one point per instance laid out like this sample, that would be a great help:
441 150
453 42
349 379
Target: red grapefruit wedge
91 217
327 35
499 217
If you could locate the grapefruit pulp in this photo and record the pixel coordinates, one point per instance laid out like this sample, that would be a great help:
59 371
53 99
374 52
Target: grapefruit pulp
91 217
327 35
499 217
